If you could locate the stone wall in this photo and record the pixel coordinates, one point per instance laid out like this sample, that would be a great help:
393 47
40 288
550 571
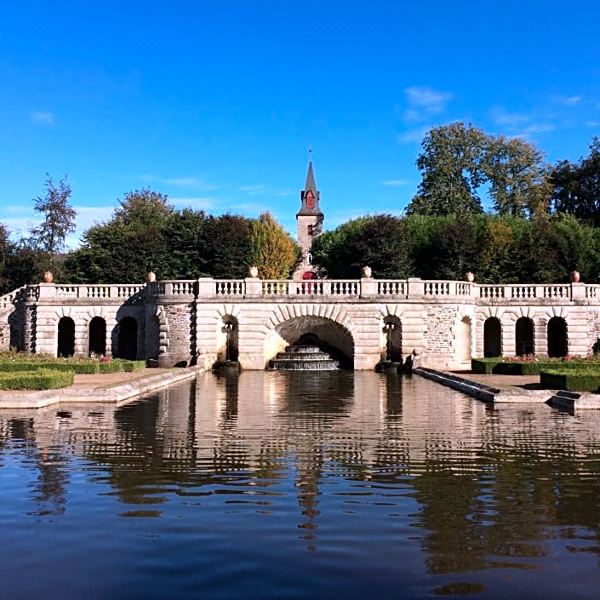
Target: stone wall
179 321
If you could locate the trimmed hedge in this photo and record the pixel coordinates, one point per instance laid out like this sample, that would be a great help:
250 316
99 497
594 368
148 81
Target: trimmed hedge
42 379
79 367
584 380
501 367
14 366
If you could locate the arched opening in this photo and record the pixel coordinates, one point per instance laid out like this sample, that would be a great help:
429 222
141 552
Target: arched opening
492 337
128 329
229 331
66 337
330 336
524 337
558 344
464 340
97 336
392 330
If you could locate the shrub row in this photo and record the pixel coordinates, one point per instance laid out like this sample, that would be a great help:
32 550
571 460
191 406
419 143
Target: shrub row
584 380
40 379
501 367
79 367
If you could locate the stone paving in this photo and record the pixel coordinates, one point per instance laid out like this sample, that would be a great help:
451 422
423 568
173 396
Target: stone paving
109 387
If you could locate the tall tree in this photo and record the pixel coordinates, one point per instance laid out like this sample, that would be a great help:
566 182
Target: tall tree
576 186
452 172
515 170
59 218
273 250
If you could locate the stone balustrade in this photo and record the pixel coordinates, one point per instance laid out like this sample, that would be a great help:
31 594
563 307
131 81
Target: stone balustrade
316 290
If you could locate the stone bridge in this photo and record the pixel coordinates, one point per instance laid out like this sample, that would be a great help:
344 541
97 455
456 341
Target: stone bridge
175 322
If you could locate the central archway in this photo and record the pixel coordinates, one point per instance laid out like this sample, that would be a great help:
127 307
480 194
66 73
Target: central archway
331 336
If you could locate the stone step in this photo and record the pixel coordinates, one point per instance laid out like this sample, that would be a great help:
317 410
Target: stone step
302 355
303 349
303 365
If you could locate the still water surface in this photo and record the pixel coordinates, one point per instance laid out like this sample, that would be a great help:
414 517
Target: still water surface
287 485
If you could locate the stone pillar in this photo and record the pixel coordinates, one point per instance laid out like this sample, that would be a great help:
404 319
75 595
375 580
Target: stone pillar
206 287
416 287
81 337
253 287
368 287
578 291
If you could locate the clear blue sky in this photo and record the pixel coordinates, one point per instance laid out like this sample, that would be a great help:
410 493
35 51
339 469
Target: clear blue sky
215 103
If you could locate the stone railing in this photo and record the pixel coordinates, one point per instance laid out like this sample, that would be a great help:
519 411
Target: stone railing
25 292
318 290
532 292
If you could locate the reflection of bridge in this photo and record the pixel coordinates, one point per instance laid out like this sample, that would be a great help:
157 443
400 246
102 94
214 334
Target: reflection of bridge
174 321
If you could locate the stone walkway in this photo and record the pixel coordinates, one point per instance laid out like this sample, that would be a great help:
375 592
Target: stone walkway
501 389
528 382
104 381
108 387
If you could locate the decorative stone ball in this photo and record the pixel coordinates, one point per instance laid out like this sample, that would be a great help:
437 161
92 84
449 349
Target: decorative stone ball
367 272
151 277
48 277
575 276
470 277
253 272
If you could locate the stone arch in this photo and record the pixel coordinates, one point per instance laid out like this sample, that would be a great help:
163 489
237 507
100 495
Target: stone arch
97 336
524 336
228 338
128 338
557 336
333 336
65 345
392 338
492 337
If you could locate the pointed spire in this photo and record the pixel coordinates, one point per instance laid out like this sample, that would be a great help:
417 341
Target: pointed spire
310 179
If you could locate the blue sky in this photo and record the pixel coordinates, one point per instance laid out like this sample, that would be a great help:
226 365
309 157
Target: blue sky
216 103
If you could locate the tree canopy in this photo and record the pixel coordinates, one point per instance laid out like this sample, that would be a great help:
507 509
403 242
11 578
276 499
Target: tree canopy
458 161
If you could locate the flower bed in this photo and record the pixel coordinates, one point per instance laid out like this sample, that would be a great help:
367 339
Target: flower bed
40 379
527 365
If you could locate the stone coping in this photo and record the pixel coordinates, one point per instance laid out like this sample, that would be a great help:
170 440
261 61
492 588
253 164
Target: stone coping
569 401
486 393
110 393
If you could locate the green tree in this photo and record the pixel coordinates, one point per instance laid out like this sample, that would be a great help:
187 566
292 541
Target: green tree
576 186
59 218
227 246
515 170
273 250
125 248
184 232
334 252
452 171
445 247
377 241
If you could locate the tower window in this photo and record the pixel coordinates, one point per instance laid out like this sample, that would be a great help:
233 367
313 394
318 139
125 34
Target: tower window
310 229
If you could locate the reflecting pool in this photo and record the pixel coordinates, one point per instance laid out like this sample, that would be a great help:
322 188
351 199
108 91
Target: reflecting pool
289 485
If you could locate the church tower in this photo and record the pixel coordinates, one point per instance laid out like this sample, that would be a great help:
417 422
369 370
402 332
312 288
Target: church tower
309 221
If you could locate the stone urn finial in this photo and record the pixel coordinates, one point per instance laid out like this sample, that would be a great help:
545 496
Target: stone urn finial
48 277
367 272
575 276
150 277
253 271
469 276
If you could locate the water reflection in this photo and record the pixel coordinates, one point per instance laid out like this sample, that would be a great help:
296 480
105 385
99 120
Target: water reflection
373 471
